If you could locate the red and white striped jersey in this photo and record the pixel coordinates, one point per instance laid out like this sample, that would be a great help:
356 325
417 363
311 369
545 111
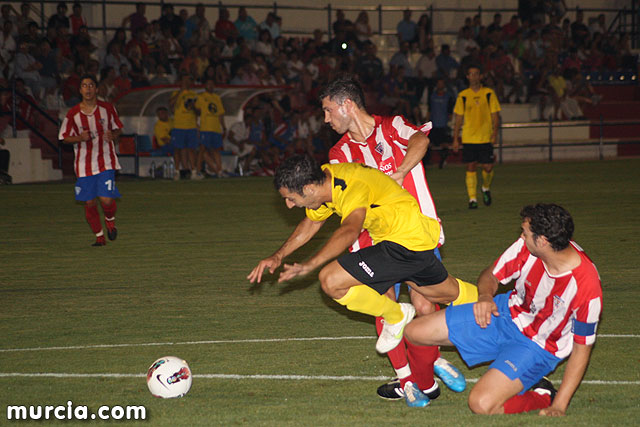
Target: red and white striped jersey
95 155
384 149
553 311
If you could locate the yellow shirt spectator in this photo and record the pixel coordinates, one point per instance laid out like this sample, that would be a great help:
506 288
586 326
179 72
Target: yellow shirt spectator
211 111
184 116
162 132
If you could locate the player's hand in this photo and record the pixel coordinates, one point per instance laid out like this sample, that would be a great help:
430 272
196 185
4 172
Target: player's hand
108 136
292 270
85 135
552 412
456 145
483 309
270 263
398 177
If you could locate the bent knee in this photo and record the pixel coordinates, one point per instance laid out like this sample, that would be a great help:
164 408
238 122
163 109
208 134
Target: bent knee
329 282
482 404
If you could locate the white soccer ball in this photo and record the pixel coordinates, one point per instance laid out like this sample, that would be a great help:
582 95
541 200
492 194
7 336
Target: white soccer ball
169 377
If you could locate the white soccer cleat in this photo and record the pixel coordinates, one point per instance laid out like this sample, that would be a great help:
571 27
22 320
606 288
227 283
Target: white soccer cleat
391 334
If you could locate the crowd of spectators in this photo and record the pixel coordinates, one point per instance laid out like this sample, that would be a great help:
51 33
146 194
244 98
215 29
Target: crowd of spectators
539 55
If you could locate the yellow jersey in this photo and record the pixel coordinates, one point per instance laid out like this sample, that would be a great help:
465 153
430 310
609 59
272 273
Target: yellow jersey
162 130
476 108
211 111
184 116
392 213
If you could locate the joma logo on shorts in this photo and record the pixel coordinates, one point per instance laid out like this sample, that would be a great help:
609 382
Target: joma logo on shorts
366 268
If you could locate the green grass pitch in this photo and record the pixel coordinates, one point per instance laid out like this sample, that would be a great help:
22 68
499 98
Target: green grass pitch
177 274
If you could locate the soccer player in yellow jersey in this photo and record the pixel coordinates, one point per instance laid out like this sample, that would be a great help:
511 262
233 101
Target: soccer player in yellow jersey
478 107
209 107
184 136
162 132
404 240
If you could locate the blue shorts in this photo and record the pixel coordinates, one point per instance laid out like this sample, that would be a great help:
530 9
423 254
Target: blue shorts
211 139
184 138
100 185
164 150
501 341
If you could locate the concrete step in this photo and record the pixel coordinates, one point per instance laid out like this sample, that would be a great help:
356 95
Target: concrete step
27 164
518 132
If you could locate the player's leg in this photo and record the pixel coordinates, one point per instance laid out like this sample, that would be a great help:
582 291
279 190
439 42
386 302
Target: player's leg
449 291
86 191
471 177
107 192
486 161
109 208
492 391
216 148
347 290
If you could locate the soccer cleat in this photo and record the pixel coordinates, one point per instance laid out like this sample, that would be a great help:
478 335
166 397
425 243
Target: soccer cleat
391 334
176 175
486 197
393 391
544 386
414 397
473 204
450 375
112 231
100 241
196 175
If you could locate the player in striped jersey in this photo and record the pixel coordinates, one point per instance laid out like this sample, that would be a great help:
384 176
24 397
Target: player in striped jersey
551 314
395 147
92 126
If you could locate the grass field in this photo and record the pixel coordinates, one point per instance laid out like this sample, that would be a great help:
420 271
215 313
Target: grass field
174 283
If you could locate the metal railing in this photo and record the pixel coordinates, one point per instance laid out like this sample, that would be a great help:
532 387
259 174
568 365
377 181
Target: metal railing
550 144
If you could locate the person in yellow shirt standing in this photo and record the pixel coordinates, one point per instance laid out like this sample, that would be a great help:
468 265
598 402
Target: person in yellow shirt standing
209 106
184 136
478 107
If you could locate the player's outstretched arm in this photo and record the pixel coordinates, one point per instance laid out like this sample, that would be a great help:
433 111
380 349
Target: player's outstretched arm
305 230
485 307
339 241
573 373
416 149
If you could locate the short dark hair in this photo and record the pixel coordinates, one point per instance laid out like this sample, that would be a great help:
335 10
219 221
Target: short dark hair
296 172
473 65
345 86
90 77
551 221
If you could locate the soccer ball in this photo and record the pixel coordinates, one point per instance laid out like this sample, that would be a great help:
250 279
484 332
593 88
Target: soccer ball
169 377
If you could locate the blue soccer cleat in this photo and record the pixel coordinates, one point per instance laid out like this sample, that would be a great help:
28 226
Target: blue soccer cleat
450 375
414 397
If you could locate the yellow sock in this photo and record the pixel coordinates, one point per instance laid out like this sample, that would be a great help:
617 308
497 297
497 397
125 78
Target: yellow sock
487 177
364 299
471 180
468 293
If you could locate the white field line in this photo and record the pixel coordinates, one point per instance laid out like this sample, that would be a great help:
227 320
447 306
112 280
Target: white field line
256 340
256 377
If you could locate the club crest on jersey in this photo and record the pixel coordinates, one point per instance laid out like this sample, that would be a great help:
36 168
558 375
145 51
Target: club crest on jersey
379 148
557 302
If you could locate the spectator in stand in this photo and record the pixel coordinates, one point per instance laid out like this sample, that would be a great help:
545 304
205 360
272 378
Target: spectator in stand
107 90
362 28
82 46
28 69
23 20
509 29
237 142
170 20
401 59
270 24
49 60
224 28
7 48
465 43
31 35
189 63
425 40
76 19
199 25
599 25
560 96
138 72
447 65
115 58
162 133
344 25
440 110
160 77
136 20
212 129
265 44
170 49
70 93
579 31
247 27
60 18
407 29
370 68
426 71
572 61
184 136
122 82
137 40
496 25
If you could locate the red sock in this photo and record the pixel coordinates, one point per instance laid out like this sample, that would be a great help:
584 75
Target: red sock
109 210
421 359
93 218
529 401
397 356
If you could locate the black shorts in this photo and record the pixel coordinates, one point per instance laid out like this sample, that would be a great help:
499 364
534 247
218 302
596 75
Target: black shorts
383 265
439 136
481 153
